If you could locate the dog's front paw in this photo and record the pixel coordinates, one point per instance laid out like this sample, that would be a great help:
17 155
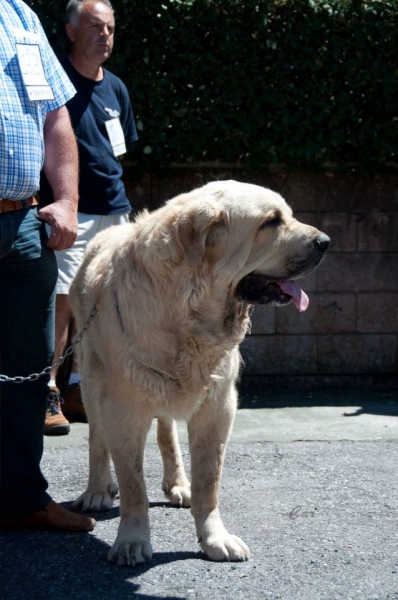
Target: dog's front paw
179 495
131 553
97 501
225 547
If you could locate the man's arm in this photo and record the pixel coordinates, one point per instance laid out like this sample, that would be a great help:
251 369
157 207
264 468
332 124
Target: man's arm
61 169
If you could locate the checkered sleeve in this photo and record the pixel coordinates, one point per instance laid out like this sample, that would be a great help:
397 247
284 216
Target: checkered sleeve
22 120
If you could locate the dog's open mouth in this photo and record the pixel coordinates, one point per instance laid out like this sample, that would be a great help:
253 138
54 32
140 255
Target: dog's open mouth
257 289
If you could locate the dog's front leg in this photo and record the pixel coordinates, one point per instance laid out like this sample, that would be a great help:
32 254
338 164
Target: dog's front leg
209 430
126 433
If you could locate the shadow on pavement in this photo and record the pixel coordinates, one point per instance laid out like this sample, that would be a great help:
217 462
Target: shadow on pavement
365 401
41 565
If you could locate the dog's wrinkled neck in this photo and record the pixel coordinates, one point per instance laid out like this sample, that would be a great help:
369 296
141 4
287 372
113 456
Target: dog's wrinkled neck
133 349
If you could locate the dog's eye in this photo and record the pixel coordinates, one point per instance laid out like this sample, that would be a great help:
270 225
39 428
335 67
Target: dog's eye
272 222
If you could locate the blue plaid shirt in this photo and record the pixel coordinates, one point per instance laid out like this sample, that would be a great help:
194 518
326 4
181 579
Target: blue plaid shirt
21 120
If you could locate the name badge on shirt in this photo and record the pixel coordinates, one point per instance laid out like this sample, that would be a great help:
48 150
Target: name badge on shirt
116 136
32 72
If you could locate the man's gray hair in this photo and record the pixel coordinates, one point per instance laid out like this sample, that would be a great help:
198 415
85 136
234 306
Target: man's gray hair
74 8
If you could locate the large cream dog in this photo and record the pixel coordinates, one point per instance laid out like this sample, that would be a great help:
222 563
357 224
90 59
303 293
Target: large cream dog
173 291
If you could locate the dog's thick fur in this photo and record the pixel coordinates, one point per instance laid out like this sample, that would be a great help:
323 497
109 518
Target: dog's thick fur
173 291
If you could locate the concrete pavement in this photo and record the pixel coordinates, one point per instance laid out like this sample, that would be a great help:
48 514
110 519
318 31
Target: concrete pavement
309 483
288 416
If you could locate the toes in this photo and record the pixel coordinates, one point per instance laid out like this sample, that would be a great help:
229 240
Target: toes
215 550
237 549
130 553
230 548
180 496
95 502
113 490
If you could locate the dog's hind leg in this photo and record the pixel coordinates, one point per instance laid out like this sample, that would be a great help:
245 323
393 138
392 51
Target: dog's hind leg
101 489
175 483
209 430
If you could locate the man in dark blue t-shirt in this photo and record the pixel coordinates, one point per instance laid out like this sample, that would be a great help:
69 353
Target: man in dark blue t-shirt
103 122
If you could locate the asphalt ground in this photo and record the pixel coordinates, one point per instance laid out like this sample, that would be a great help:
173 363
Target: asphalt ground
309 483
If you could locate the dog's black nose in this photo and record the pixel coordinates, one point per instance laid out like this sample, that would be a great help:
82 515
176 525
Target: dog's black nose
322 242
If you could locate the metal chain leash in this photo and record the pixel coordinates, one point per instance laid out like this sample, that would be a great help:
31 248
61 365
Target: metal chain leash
59 361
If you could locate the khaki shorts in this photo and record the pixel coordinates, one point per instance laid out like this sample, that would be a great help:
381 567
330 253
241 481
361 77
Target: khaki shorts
70 260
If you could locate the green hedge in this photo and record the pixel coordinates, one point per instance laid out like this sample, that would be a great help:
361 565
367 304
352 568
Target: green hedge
299 82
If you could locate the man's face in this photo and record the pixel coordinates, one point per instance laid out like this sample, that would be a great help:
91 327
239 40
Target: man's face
93 39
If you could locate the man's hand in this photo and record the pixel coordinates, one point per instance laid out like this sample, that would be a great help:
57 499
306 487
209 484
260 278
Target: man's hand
62 218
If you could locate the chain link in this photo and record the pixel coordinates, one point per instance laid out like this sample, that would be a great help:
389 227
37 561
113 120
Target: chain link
59 361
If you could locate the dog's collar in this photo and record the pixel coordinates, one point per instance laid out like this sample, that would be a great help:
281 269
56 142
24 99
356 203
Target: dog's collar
134 351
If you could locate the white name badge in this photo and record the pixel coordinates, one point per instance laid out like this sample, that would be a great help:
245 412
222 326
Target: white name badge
32 72
116 136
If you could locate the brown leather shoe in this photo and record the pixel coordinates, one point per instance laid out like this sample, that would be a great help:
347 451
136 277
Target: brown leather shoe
73 404
55 422
53 517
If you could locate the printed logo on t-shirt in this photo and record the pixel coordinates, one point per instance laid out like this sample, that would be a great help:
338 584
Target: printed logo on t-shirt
112 113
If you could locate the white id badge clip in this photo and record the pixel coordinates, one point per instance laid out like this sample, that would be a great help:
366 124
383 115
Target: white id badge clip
116 136
32 72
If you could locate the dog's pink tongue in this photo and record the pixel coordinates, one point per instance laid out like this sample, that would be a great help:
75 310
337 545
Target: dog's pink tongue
300 298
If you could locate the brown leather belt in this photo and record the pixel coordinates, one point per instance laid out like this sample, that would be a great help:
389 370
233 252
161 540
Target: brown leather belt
9 205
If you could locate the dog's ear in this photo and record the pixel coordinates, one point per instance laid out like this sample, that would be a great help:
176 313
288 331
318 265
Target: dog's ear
199 231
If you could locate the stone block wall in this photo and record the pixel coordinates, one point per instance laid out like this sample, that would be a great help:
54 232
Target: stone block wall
349 334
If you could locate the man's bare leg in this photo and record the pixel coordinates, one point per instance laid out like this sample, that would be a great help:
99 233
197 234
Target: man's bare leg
63 316
65 328
55 422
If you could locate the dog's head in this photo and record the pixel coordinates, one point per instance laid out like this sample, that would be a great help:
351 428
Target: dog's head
246 237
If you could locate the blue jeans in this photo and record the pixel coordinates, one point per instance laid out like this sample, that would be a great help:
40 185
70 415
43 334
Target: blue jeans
28 274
